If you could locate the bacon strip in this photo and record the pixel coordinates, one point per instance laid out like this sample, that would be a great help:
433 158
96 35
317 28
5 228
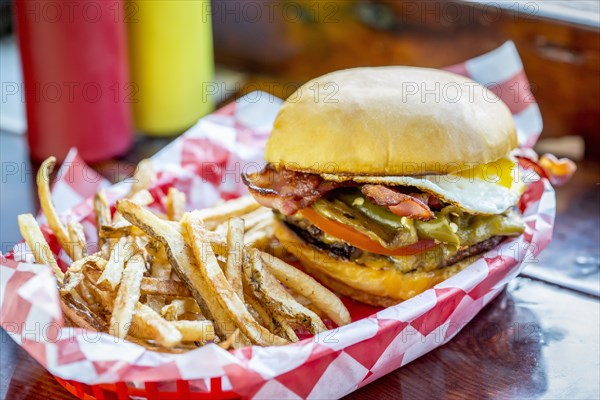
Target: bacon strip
288 191
432 202
399 203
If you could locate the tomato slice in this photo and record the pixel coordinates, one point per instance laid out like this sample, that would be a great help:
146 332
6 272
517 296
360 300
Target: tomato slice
360 240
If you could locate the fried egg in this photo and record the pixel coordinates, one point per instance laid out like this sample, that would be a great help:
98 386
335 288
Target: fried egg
486 189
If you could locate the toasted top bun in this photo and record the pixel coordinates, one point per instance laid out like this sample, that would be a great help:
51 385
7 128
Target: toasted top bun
390 121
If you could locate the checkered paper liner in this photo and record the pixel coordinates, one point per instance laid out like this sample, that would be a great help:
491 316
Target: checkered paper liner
205 163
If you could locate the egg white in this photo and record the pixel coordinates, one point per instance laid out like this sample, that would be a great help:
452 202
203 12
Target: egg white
469 192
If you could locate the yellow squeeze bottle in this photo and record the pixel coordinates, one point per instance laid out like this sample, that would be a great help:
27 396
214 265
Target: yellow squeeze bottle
171 62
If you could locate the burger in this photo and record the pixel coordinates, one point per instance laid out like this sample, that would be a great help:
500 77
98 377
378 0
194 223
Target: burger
386 181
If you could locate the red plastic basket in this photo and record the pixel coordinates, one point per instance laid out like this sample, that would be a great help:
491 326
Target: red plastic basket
150 391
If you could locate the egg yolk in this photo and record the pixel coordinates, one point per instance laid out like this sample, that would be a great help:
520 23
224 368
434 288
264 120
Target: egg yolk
503 172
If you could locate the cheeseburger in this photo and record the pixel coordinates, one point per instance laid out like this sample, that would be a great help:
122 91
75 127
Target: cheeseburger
386 181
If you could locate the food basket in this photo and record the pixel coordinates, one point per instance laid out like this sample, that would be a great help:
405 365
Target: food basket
206 163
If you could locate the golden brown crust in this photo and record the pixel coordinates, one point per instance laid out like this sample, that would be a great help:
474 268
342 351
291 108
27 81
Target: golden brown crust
381 121
383 287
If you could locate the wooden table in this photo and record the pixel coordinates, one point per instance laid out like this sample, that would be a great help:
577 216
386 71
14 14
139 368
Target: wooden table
535 340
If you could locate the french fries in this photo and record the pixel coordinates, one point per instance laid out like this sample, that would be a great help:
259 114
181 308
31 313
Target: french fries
175 204
148 323
258 218
176 281
43 184
231 340
120 226
220 288
142 178
151 286
77 237
214 216
195 331
120 253
305 285
235 247
142 197
95 259
37 243
178 252
127 296
80 315
102 209
160 269
119 230
197 274
266 288
155 302
178 307
273 321
70 281
103 216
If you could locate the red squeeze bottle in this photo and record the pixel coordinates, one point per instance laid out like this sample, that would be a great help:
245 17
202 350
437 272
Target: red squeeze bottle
75 74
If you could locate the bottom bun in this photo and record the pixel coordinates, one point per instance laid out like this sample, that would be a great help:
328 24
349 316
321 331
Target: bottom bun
377 287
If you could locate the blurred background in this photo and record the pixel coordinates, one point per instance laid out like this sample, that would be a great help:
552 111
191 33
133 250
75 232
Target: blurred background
155 67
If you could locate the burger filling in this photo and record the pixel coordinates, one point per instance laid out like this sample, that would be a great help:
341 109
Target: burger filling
437 257
374 224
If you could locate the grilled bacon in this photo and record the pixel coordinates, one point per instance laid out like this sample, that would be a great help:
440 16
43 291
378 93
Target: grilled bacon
399 203
289 191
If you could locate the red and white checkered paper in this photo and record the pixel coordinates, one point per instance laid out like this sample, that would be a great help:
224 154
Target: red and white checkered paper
205 163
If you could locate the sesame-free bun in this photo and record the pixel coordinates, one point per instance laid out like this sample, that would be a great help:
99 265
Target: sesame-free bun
390 121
